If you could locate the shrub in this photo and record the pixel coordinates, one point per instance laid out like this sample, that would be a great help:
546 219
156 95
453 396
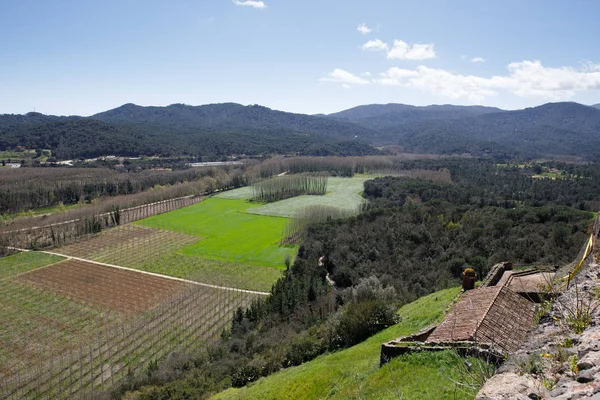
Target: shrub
531 365
372 289
363 319
303 348
244 375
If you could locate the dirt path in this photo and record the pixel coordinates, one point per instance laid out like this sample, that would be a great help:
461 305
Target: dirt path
152 273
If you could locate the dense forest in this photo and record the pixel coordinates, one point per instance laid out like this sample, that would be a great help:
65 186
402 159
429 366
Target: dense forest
205 131
215 130
413 238
550 129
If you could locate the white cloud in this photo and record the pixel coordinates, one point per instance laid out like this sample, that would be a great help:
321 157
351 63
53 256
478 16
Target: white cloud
590 67
438 81
346 86
531 78
250 3
375 45
403 51
342 76
478 60
525 79
364 29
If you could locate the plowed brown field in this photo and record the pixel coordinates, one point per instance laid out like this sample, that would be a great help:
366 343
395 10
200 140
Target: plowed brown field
124 291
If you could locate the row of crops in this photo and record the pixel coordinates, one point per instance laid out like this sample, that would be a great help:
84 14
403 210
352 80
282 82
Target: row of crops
57 346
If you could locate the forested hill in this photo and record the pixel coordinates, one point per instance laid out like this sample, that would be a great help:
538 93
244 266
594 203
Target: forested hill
547 130
9 121
382 116
215 130
596 105
551 129
211 130
232 116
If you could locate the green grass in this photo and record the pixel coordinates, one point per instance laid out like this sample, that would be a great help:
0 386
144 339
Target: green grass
229 232
24 262
16 156
552 175
342 193
242 193
46 210
214 272
355 372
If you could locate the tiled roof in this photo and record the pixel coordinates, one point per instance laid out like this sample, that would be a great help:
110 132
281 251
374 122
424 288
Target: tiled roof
492 315
507 322
467 313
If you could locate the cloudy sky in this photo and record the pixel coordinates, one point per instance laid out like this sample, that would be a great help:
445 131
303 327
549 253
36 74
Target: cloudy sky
310 56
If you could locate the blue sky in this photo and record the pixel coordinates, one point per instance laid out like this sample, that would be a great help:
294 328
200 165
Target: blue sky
81 57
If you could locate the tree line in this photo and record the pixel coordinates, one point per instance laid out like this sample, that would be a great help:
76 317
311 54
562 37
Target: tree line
284 187
25 189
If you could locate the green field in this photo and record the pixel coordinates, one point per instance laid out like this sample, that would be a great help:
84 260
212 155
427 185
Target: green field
214 272
229 232
24 262
17 156
354 373
342 193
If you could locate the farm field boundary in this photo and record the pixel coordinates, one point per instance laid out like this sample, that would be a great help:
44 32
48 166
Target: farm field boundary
69 231
342 193
156 250
24 262
191 282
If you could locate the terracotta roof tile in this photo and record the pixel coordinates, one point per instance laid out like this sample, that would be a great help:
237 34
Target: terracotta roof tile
492 315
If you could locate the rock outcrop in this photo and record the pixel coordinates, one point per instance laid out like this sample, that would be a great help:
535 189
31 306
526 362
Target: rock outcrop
561 356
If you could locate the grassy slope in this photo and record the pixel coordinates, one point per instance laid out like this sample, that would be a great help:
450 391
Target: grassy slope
355 372
342 193
230 233
25 261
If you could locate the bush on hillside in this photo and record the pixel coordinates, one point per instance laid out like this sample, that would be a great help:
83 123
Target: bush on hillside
363 319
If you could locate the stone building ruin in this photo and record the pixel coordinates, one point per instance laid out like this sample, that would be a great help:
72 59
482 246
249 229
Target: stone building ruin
492 320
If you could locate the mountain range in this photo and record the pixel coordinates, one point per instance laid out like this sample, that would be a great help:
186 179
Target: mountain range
551 129
215 130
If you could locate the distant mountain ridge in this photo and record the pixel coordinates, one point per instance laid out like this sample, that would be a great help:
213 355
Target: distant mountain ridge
565 128
388 116
217 130
230 115
374 110
213 130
